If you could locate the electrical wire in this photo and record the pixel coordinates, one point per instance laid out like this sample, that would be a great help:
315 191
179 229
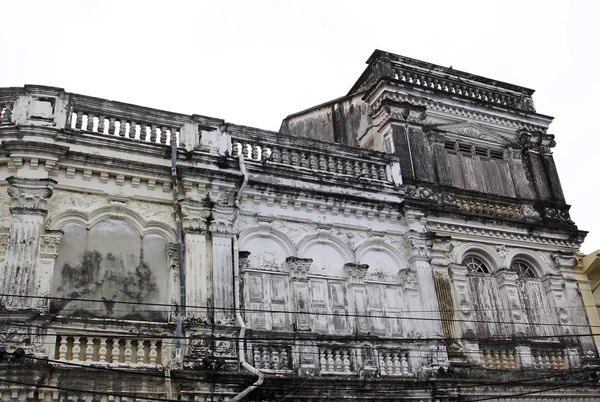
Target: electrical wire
469 383
531 392
354 315
300 337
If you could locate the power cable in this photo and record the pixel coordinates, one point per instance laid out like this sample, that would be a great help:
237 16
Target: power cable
532 392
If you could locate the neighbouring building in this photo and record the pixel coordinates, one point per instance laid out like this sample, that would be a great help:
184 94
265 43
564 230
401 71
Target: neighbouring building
408 241
587 273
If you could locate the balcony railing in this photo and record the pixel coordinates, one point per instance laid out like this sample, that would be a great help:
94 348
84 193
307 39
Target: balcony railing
109 351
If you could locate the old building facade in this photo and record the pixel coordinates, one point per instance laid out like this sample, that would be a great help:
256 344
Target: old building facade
407 241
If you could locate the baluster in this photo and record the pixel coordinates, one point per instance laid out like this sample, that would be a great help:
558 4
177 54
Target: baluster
322 162
284 359
111 126
6 113
489 360
503 358
76 348
144 132
382 173
256 357
337 361
295 158
404 363
397 365
89 124
496 354
163 136
275 155
313 162
553 364
382 367
275 359
560 361
63 348
101 125
303 160
153 354
374 174
345 362
102 351
141 352
89 350
133 130
257 152
128 352
512 363
331 165
115 356
285 156
153 135
389 364
357 169
79 120
266 358
339 167
322 359
122 128
546 360
348 167
330 360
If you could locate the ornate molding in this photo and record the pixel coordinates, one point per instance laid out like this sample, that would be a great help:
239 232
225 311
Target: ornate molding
222 220
195 215
29 196
417 245
408 279
356 272
49 243
298 267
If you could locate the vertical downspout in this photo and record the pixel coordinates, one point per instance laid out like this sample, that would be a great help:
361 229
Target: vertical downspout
182 302
237 298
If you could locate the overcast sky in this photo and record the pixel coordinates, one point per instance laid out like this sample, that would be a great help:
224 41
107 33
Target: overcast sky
254 62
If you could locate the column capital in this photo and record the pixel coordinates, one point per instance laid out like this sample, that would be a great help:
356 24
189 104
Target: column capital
194 215
49 242
356 272
298 267
418 245
408 279
223 219
29 196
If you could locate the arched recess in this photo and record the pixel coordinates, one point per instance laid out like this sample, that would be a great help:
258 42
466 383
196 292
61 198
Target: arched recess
328 252
482 251
111 257
535 261
132 218
268 247
383 259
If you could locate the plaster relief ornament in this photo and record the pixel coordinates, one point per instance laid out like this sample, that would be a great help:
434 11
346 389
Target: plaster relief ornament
408 279
356 272
298 267
29 195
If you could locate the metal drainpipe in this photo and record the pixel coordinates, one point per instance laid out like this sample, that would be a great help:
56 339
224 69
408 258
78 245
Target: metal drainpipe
182 301
236 299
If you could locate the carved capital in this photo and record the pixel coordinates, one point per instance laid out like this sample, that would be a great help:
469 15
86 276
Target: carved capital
506 277
502 253
194 215
173 255
563 260
408 279
49 243
29 196
244 259
356 272
417 245
298 267
441 249
537 141
222 220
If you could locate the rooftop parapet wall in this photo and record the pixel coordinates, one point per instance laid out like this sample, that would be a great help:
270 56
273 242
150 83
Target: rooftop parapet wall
443 80
53 107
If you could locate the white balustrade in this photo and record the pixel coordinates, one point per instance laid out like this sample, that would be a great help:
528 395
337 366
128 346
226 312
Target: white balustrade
335 360
105 350
393 363
549 359
271 357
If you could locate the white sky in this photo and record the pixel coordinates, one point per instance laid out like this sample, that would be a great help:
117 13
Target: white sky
254 62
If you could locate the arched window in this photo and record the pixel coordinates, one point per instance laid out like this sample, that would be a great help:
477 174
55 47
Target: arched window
523 269
474 264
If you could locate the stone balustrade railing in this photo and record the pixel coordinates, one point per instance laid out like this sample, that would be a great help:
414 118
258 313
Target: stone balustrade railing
102 123
549 359
500 358
335 360
276 358
109 350
393 363
315 160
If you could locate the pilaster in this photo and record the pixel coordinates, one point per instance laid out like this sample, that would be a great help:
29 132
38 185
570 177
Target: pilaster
49 242
221 229
507 284
357 295
21 273
298 268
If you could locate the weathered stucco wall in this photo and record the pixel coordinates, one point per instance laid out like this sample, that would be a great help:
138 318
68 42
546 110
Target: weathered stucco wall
111 262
